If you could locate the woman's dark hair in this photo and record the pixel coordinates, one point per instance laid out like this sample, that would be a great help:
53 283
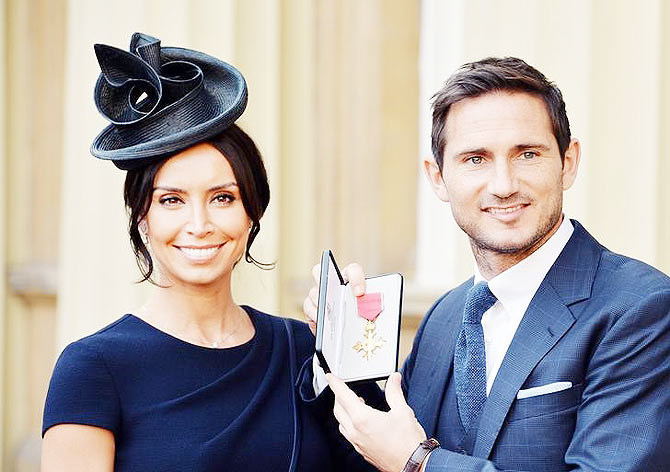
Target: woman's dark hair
247 164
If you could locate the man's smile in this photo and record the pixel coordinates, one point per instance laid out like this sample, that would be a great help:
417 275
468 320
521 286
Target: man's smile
506 213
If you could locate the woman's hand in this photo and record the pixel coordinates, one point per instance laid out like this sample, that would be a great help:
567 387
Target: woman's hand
352 274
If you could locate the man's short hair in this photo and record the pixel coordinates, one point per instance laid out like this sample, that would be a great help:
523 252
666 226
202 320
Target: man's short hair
495 74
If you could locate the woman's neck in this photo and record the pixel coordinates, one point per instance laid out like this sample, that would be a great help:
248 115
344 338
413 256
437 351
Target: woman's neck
203 316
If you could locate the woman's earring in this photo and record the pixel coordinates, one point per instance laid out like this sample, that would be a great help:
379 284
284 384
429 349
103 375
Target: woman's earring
144 232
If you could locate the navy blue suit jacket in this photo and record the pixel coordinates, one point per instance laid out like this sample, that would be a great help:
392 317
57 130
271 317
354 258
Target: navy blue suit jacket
600 321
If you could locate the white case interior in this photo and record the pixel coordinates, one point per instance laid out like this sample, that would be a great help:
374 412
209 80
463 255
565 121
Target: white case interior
340 328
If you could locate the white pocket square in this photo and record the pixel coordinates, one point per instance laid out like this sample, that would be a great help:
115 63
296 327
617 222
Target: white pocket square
543 389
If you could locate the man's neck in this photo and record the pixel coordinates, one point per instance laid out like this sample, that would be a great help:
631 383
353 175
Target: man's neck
491 263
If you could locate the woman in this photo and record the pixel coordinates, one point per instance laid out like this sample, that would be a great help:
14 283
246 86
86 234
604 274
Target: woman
191 381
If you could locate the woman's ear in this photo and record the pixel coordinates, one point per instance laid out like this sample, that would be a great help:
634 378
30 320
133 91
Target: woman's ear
144 231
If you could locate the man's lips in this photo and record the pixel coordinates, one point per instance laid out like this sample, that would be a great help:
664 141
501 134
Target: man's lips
502 210
507 213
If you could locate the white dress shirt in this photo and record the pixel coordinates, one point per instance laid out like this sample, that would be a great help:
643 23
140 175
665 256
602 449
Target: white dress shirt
514 289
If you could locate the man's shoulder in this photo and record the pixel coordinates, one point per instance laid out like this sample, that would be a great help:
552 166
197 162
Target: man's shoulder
620 270
623 270
585 253
623 283
617 283
449 304
453 296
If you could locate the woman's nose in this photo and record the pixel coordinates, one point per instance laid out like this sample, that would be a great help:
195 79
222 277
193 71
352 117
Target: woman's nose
200 223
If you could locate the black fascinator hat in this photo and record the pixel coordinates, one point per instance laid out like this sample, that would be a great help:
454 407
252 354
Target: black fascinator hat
161 100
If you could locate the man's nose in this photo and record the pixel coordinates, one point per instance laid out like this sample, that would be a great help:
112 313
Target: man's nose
503 181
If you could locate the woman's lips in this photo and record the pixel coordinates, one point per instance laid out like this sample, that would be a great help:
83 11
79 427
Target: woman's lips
199 254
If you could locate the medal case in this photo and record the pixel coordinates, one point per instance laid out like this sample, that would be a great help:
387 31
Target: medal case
357 338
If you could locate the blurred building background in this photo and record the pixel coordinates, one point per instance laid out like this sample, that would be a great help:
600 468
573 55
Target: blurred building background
339 105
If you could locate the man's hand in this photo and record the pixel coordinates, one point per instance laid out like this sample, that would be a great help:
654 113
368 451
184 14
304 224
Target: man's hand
353 274
384 439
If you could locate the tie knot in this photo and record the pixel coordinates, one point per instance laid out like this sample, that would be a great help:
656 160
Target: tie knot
479 300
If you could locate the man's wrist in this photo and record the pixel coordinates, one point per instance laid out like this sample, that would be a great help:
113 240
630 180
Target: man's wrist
424 464
420 455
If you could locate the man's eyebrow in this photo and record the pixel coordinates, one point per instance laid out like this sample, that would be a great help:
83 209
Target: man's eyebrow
211 189
470 152
523 147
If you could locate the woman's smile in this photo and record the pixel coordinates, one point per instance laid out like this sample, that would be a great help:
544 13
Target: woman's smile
200 254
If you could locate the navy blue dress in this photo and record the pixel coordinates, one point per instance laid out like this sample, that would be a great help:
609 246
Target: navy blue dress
173 405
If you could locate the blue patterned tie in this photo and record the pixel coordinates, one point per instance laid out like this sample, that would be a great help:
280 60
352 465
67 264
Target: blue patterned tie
470 355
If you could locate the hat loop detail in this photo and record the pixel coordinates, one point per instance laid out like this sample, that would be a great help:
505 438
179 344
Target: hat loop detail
148 48
134 85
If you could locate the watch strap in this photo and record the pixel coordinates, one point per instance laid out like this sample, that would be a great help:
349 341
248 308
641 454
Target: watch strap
419 455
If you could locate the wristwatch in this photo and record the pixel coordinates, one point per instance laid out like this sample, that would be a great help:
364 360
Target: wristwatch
419 455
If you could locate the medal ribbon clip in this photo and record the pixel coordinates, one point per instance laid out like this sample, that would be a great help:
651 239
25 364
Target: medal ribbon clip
370 306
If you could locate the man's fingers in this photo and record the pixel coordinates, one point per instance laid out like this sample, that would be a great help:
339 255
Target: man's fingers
343 418
343 394
343 431
394 396
353 273
347 436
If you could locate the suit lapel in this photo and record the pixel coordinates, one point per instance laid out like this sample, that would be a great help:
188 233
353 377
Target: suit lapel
546 320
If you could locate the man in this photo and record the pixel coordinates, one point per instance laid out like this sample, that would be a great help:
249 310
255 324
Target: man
556 355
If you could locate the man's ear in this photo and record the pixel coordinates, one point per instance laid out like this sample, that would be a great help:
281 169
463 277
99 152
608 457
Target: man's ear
571 163
434 176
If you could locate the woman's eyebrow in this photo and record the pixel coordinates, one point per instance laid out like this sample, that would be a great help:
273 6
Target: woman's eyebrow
211 189
168 189
224 186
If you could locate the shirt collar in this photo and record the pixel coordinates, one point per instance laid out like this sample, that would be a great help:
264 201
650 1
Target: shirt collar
516 286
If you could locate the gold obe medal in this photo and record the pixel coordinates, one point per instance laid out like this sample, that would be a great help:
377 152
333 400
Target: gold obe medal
369 307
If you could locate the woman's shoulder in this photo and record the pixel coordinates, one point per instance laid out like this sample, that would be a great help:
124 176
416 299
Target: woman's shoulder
83 389
107 340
